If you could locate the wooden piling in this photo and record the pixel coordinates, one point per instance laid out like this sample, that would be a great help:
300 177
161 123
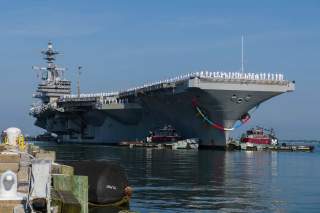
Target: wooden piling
77 185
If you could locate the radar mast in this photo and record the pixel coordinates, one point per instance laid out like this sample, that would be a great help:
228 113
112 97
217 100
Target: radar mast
53 85
52 72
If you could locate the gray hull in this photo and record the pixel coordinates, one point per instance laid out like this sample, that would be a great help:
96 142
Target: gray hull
97 121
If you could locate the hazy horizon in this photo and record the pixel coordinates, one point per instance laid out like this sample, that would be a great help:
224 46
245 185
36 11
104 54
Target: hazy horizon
120 45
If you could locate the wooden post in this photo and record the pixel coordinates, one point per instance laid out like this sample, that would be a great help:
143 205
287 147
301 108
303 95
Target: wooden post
78 185
80 191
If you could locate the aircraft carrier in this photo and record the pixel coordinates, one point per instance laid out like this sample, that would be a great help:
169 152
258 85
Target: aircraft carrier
205 105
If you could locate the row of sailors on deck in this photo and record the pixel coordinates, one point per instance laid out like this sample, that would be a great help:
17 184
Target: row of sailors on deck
89 95
223 75
202 74
219 75
240 75
114 100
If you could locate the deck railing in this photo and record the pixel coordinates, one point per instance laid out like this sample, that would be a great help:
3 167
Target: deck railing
219 76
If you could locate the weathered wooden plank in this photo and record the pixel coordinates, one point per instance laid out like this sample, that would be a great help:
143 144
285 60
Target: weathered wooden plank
66 170
14 167
56 201
62 169
80 190
23 174
78 185
70 204
46 155
9 158
5 204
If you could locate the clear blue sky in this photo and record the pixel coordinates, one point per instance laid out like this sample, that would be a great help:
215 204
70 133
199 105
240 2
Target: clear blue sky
125 43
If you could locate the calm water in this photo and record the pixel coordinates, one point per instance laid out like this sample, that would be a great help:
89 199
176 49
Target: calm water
212 181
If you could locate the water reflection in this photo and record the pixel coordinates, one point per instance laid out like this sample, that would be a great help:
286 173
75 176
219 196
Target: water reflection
204 180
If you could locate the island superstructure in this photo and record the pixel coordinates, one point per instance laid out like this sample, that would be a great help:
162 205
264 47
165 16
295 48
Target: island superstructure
205 105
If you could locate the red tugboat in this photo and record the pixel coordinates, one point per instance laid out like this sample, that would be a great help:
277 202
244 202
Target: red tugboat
166 134
256 138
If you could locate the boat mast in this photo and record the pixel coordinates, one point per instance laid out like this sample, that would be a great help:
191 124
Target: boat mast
78 82
242 69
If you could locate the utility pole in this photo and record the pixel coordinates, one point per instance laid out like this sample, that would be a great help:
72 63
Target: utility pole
78 82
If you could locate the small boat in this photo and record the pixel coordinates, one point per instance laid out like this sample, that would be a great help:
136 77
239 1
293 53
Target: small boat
258 139
166 137
165 134
191 143
292 148
129 143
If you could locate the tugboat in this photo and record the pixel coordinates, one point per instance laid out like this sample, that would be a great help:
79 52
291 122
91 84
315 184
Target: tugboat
163 135
166 137
258 138
264 139
169 138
